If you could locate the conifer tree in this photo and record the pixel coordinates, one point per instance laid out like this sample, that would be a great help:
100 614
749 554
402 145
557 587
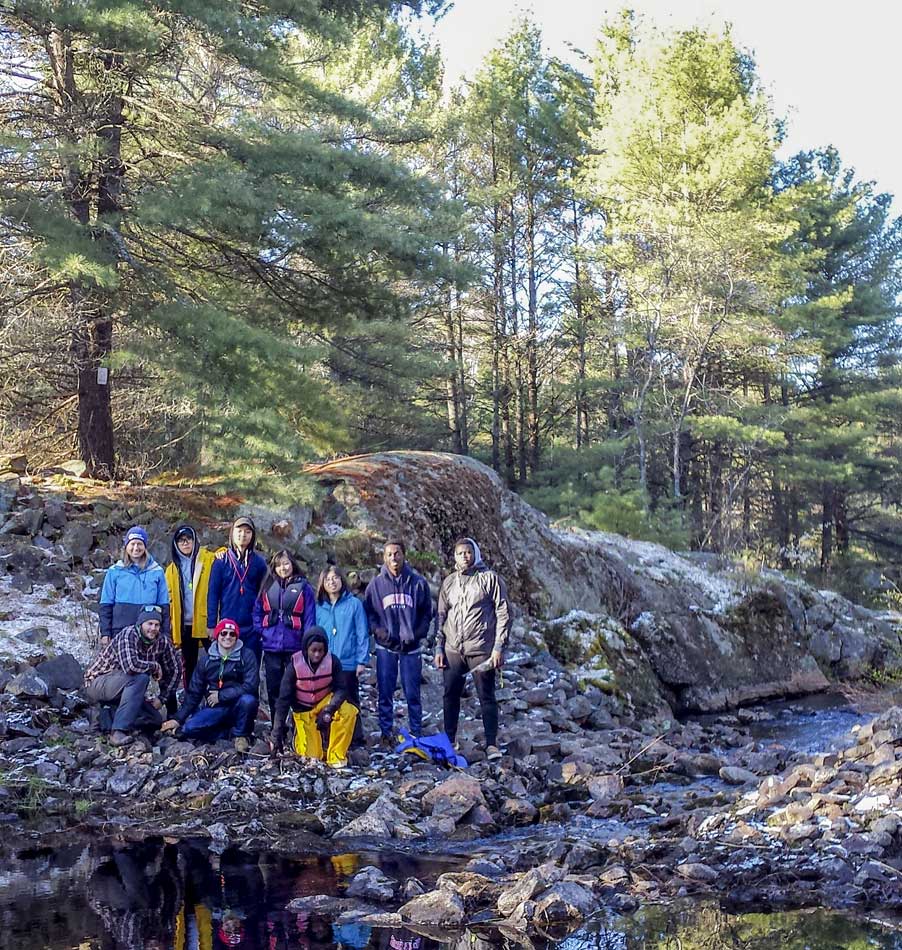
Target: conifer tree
177 178
841 353
681 157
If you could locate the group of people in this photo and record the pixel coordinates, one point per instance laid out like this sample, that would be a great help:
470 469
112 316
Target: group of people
211 619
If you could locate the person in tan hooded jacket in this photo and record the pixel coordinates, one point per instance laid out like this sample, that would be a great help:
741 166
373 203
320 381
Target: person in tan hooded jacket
473 624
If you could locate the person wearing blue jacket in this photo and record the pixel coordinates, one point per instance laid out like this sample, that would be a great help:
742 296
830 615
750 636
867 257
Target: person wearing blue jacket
133 582
398 605
343 617
283 611
235 580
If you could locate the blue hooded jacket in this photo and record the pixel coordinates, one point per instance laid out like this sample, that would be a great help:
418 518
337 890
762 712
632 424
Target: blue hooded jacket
346 627
128 588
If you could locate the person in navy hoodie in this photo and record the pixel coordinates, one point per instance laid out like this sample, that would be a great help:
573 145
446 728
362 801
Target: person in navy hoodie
398 604
133 582
284 609
235 581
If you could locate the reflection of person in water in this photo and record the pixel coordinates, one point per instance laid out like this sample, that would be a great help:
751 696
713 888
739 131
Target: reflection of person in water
399 938
314 932
137 893
238 916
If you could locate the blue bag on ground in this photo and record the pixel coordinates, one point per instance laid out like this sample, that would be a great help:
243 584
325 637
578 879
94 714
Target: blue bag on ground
437 748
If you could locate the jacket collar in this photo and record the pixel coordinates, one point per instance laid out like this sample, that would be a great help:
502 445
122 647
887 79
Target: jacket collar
214 650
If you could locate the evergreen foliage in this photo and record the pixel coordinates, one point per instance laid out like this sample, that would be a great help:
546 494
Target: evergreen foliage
285 239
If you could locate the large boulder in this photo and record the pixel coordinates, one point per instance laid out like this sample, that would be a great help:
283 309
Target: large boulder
694 634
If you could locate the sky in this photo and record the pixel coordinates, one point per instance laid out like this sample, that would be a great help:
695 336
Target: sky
831 68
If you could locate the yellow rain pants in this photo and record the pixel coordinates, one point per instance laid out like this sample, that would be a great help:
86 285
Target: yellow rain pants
308 740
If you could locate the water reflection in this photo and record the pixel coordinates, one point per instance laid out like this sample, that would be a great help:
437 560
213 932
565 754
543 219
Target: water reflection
161 895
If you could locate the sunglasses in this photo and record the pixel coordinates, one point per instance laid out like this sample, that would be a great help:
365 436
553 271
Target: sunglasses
228 633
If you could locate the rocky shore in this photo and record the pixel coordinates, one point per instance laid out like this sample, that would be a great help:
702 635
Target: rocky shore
606 795
586 809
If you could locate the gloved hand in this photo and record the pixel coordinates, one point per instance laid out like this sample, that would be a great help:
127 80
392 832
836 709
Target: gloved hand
323 718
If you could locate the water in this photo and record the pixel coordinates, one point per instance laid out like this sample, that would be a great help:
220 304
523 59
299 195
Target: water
810 724
157 895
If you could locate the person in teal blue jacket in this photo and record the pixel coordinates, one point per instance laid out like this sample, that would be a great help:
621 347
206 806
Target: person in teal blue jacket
133 582
343 617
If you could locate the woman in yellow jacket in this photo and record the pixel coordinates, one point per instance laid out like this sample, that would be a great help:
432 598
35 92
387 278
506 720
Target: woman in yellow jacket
188 577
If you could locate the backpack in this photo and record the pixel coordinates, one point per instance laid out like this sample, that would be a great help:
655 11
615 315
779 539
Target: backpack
437 749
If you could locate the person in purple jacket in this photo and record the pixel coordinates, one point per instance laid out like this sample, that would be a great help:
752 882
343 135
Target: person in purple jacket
398 604
285 608
235 580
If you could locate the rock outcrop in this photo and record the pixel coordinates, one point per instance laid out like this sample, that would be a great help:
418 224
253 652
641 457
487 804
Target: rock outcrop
710 638
656 631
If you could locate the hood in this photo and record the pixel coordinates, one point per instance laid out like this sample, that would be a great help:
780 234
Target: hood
478 564
310 636
175 553
213 650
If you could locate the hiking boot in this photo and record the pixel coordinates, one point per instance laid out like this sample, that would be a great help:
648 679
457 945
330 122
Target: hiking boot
118 738
387 743
340 764
241 744
492 753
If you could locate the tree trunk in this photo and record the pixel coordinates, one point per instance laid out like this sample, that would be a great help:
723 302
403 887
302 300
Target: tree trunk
91 311
827 515
92 343
522 428
462 371
497 316
841 521
532 336
580 400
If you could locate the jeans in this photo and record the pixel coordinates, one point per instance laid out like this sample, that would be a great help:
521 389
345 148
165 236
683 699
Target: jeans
133 711
217 722
411 668
454 676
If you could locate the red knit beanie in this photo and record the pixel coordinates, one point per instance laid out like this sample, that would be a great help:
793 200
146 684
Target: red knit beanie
225 624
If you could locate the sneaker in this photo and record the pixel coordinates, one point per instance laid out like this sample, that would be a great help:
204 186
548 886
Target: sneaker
118 738
492 753
340 764
241 744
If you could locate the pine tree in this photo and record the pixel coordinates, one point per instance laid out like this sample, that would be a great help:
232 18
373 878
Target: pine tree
841 352
178 179
681 158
